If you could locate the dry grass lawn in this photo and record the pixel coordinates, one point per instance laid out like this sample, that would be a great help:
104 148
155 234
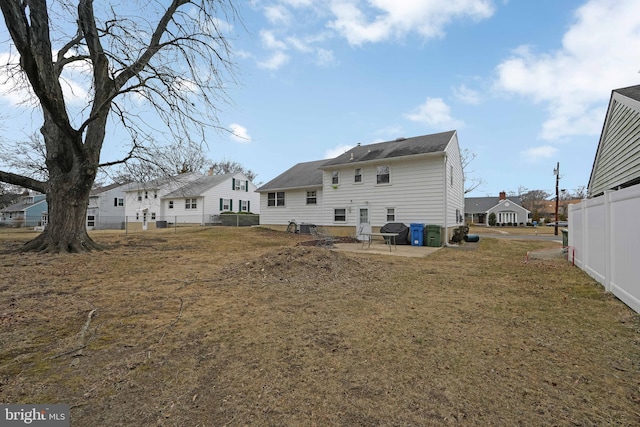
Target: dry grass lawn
236 327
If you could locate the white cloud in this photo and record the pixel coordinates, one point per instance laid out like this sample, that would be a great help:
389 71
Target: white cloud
435 113
325 58
466 95
239 133
534 154
336 151
277 60
270 42
379 20
575 82
277 15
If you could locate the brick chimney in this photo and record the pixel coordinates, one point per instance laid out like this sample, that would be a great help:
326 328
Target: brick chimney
503 195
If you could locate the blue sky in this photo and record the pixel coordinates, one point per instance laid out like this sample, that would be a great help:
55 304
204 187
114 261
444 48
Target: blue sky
525 83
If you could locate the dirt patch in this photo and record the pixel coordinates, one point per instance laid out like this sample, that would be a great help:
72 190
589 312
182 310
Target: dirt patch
219 326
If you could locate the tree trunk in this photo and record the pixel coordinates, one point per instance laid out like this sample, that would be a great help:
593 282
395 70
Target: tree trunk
72 173
66 228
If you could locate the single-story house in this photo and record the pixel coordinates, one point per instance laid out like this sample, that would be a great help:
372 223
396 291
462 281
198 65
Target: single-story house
188 198
508 212
30 210
408 180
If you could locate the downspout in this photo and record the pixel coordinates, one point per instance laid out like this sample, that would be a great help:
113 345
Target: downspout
446 228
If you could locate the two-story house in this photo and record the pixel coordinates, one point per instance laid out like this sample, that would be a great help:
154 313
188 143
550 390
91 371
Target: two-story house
188 198
106 208
31 210
408 180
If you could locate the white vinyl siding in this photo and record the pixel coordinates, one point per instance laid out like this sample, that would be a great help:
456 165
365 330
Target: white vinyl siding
296 208
417 185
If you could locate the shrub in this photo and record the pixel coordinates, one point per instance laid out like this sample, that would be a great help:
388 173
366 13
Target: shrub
492 219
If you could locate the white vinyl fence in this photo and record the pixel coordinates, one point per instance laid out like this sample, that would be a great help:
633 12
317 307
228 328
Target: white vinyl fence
604 233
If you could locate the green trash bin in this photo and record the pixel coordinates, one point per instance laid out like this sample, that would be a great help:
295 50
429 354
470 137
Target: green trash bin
565 237
433 236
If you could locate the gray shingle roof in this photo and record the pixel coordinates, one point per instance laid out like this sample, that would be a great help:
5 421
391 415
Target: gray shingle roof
424 144
199 186
632 92
302 175
473 205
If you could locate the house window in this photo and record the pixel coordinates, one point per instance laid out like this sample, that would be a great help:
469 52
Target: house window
335 178
243 185
311 198
340 215
391 214
153 216
190 204
244 206
91 221
170 204
118 202
137 216
155 195
139 196
237 186
357 176
382 175
146 194
226 204
275 199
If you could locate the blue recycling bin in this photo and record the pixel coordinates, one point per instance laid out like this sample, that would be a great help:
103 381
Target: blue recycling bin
416 231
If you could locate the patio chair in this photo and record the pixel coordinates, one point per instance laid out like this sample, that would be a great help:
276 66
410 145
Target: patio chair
323 238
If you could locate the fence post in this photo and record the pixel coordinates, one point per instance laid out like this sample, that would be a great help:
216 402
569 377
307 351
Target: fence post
126 225
608 248
175 224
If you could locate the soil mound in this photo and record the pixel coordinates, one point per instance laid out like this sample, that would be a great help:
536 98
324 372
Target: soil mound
302 265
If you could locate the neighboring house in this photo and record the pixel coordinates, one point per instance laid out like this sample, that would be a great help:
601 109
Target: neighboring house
188 198
29 211
603 237
106 208
617 160
408 180
478 209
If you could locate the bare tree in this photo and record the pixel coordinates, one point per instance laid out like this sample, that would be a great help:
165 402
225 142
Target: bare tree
227 166
153 161
169 59
471 182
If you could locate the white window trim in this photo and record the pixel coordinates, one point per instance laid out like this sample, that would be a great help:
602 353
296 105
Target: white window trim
334 216
389 174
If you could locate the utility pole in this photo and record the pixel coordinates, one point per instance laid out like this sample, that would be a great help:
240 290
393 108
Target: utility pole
556 172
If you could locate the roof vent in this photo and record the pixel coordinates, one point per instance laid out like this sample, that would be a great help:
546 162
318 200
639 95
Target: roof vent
351 156
358 144
401 138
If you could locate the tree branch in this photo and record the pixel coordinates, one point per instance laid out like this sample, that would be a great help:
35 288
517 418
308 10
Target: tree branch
23 181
